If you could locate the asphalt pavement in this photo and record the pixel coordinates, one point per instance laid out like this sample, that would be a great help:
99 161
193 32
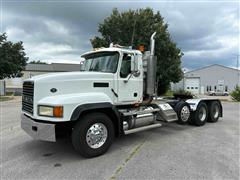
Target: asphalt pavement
170 152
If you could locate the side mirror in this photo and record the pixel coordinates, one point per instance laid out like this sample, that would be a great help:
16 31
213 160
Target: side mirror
134 64
82 66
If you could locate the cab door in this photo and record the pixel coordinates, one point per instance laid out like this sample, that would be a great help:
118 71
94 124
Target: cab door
129 84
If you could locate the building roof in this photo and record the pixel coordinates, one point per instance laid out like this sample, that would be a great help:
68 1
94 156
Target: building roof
61 67
206 67
54 67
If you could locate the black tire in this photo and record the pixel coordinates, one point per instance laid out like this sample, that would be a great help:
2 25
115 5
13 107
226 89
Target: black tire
79 134
183 112
214 111
200 116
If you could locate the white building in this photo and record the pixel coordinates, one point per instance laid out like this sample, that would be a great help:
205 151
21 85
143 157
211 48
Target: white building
211 78
14 84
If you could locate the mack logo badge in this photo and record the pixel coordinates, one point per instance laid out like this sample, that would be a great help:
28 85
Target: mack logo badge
27 99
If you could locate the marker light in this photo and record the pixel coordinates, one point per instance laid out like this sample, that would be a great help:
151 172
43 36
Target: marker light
50 111
141 48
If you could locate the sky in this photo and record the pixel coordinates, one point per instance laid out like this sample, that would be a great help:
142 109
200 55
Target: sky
207 31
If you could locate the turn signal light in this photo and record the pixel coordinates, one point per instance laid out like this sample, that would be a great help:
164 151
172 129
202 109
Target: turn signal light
58 111
141 48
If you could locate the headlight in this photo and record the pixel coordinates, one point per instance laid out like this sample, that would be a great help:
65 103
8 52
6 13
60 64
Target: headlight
56 111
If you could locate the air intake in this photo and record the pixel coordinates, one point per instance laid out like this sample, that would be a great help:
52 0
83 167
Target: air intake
27 96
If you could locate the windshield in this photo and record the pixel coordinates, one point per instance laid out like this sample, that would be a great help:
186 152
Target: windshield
101 62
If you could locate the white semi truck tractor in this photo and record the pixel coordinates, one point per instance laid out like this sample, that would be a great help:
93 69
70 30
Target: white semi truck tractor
112 95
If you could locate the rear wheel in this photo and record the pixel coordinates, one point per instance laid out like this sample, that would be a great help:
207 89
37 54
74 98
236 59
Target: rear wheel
183 111
214 111
200 116
93 135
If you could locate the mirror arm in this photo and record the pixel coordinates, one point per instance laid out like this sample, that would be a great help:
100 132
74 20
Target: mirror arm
128 78
136 73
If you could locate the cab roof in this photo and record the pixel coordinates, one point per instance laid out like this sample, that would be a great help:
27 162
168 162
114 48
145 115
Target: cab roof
111 49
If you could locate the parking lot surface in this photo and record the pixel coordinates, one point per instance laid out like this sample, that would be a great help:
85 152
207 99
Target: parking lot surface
170 152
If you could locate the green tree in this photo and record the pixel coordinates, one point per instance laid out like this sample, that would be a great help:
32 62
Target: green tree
37 62
12 58
119 29
236 93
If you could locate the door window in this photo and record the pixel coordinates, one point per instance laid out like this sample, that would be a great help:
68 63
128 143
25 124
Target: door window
126 65
226 88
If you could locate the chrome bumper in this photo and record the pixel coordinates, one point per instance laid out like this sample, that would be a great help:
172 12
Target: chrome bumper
40 131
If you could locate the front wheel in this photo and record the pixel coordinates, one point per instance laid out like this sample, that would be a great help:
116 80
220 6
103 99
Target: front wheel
93 134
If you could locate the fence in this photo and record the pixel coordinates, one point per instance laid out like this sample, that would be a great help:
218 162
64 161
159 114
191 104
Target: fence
2 88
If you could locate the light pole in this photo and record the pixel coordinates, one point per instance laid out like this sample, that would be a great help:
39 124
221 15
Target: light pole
238 70
184 70
238 73
238 67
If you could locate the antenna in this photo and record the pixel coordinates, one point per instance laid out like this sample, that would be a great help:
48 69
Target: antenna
133 30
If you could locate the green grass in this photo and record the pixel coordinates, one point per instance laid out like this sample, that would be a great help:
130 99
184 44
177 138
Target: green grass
9 93
5 98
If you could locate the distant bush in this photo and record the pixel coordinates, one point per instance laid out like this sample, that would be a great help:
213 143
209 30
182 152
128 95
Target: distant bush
169 93
183 92
236 93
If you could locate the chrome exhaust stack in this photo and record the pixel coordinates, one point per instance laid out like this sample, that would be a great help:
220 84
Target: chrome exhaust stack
151 68
152 44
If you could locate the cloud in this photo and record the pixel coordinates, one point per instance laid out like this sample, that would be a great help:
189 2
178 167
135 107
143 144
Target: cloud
207 32
56 27
46 39
224 44
15 33
209 36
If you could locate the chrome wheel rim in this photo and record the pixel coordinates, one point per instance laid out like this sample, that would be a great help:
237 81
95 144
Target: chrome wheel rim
215 111
202 113
185 113
96 135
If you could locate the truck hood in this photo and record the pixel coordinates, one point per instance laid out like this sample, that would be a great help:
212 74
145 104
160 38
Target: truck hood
72 76
71 89
55 84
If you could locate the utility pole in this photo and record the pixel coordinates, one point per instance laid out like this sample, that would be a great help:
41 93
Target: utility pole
184 70
134 24
238 73
238 70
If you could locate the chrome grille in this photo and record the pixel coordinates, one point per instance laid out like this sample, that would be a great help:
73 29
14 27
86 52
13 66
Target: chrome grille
27 96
